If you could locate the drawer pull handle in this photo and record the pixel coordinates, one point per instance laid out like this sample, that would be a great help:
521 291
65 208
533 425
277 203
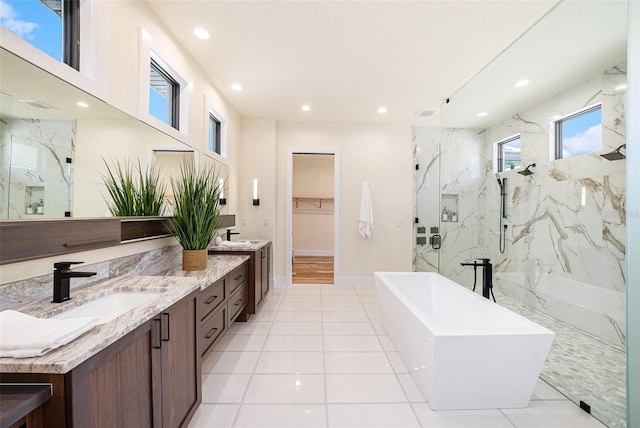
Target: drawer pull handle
159 329
237 277
239 302
210 333
210 299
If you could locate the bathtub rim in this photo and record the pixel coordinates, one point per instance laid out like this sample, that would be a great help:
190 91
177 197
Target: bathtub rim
530 327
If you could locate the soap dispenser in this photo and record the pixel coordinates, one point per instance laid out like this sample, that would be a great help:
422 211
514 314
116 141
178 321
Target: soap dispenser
40 207
445 214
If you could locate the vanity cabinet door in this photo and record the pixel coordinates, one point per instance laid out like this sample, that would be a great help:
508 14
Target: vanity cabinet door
266 263
119 385
181 380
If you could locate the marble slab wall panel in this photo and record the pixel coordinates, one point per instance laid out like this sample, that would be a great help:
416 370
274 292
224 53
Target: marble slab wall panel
35 152
149 263
452 176
5 159
550 230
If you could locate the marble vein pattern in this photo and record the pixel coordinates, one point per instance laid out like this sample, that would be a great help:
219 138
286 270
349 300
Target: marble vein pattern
163 274
566 233
34 168
256 244
69 356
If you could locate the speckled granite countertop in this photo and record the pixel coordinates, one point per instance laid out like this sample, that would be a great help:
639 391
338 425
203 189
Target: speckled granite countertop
256 244
174 284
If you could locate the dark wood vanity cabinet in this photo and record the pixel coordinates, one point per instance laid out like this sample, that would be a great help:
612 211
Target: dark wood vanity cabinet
259 266
220 304
148 378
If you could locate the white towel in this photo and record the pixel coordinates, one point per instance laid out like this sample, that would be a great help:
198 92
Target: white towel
24 336
365 219
239 244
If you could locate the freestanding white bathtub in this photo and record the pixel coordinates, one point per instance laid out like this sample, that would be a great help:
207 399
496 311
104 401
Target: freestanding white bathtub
463 351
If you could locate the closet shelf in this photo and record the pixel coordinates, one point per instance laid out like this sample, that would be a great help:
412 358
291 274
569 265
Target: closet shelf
297 199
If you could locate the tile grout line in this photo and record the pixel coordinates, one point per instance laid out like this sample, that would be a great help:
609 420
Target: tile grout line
395 373
253 372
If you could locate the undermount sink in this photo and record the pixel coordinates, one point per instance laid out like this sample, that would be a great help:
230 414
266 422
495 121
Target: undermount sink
110 306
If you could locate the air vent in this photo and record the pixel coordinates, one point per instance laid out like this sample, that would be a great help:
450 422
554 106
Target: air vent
37 104
425 113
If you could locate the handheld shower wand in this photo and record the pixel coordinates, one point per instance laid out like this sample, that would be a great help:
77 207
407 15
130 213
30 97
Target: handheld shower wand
503 213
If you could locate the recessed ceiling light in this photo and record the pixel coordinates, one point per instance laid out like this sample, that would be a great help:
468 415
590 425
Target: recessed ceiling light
382 110
621 87
82 104
482 114
201 33
521 83
236 87
306 108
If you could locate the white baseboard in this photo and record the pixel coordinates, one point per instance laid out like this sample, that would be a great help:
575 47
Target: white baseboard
343 281
356 281
317 253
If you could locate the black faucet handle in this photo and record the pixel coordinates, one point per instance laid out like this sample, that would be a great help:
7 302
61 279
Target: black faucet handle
484 260
65 265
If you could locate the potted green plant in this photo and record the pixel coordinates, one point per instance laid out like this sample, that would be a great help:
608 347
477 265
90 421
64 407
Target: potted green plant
130 195
196 212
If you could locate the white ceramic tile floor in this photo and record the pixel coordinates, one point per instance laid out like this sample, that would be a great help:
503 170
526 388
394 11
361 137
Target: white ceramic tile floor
317 356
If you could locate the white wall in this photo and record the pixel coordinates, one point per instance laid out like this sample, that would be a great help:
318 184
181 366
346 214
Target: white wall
258 161
381 155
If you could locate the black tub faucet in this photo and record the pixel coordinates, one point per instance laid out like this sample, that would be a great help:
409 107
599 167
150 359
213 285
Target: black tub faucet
61 278
229 233
487 276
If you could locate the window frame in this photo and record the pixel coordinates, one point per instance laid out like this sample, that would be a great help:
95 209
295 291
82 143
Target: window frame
558 147
210 112
499 145
216 145
173 103
71 33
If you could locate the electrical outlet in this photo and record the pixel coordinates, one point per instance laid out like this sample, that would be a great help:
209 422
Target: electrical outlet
265 221
244 222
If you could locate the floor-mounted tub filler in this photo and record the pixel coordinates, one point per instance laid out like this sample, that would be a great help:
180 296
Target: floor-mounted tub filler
463 351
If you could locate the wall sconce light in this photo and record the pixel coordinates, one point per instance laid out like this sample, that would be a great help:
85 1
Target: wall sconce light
256 201
223 200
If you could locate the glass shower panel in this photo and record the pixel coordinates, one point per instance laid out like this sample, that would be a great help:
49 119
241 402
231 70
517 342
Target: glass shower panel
428 237
556 236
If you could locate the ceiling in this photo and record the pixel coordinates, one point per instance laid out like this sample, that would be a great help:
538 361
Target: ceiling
345 59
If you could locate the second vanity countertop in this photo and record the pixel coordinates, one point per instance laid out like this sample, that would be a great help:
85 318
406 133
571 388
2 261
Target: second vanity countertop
174 284
256 244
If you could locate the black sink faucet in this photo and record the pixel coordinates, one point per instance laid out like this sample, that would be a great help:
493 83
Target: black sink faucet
229 233
61 278
487 276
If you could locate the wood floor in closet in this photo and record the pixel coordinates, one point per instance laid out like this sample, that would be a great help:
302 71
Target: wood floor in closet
312 270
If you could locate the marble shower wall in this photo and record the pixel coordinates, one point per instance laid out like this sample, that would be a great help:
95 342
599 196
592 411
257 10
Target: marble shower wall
33 168
451 177
562 258
571 256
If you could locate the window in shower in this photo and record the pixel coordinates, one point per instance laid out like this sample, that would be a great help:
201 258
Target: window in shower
508 153
578 133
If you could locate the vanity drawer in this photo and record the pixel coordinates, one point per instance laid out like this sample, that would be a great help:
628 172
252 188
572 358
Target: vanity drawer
237 302
211 297
236 278
211 328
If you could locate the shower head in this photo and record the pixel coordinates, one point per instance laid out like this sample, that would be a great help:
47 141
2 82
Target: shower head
615 155
527 171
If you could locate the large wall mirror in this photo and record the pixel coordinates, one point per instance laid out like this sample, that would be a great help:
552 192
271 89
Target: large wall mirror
552 220
55 139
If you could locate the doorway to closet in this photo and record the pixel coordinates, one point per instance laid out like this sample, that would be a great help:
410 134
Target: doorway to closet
312 218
